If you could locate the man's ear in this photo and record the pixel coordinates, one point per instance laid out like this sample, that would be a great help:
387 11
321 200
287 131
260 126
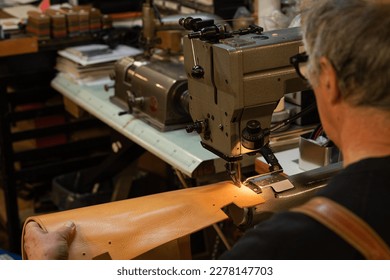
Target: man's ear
329 79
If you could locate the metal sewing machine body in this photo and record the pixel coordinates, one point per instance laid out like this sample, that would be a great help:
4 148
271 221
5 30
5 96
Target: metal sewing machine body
235 81
153 89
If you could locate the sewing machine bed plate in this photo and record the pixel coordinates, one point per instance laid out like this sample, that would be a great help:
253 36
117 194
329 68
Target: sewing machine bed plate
177 148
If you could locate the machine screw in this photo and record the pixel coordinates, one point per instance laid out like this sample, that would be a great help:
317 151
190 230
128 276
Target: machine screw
107 87
196 126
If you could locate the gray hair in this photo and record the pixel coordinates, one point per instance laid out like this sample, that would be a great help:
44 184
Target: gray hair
354 35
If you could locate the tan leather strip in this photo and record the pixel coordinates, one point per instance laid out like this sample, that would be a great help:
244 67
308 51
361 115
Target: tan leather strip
347 225
128 228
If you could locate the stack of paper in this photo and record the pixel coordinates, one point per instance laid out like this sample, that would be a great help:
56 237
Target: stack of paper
91 64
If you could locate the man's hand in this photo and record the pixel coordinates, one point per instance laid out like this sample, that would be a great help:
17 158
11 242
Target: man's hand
41 245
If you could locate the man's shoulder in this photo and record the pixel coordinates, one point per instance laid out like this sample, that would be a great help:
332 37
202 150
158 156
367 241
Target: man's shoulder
361 174
376 164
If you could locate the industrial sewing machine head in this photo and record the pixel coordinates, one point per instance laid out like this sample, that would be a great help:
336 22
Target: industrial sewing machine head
235 81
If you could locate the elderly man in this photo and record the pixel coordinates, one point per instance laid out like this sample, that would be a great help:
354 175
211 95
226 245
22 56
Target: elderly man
347 64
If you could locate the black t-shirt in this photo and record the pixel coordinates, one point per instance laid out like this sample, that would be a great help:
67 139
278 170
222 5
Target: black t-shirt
362 187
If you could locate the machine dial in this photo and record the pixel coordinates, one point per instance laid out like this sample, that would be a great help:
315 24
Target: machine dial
253 135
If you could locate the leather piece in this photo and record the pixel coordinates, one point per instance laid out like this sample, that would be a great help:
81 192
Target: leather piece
348 226
128 228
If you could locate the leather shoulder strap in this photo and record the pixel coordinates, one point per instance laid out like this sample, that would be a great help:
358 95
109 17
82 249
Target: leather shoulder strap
348 226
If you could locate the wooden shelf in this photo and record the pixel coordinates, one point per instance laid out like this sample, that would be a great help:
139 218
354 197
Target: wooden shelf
21 45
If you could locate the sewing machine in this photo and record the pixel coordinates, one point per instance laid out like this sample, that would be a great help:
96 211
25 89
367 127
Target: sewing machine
153 86
235 81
